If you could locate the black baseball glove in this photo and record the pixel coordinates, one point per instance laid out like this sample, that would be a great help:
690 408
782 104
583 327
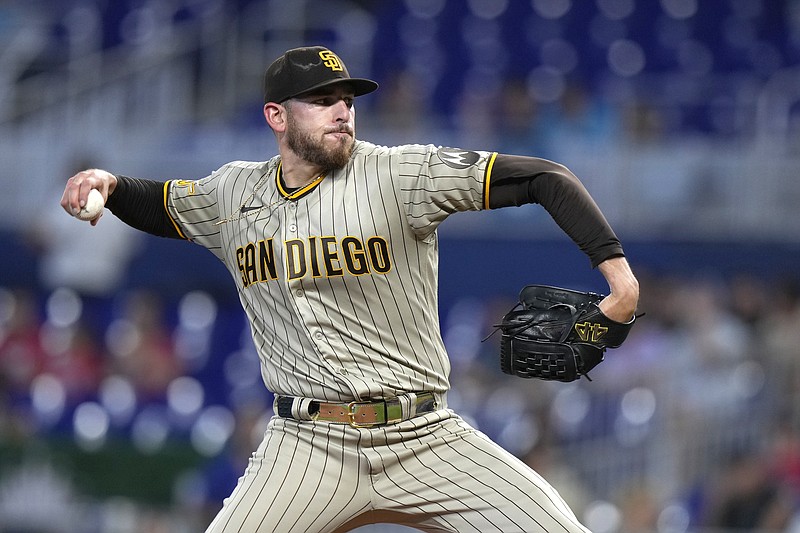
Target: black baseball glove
557 334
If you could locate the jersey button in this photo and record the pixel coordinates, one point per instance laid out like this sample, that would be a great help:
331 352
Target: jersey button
319 336
299 293
292 228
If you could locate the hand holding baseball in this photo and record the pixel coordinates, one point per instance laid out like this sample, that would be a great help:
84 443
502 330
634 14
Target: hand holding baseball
94 205
85 193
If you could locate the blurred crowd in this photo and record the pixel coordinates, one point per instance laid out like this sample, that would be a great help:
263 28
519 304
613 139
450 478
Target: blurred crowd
692 425
83 377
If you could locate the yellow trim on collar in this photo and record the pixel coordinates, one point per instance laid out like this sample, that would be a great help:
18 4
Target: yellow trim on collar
299 192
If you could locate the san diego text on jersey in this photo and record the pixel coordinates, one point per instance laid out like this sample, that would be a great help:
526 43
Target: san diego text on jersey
315 256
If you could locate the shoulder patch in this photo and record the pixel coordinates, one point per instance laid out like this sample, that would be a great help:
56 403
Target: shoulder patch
455 158
185 183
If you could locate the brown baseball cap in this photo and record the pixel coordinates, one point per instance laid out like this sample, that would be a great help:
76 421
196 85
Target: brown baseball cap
301 70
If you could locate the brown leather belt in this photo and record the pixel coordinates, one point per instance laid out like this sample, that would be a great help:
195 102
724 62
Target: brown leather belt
358 414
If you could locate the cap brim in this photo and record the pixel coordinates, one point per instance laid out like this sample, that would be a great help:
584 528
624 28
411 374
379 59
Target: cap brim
361 86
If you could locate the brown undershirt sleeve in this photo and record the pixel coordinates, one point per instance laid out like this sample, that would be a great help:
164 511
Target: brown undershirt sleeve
518 180
140 204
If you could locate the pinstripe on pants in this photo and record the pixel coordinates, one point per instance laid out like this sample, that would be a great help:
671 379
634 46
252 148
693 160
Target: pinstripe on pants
434 473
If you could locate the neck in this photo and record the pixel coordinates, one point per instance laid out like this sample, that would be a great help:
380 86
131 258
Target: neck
297 172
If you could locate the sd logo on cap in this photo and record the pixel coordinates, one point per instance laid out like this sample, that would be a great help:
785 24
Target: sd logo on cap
301 70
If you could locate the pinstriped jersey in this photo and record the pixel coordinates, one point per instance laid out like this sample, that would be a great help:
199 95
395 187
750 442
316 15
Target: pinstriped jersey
339 278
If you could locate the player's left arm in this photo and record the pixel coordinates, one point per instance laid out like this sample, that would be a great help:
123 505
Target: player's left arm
518 180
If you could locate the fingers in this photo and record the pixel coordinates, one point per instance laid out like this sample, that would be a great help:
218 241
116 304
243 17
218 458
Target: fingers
79 185
71 199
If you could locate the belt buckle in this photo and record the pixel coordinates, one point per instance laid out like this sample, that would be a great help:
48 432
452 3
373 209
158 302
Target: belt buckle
351 415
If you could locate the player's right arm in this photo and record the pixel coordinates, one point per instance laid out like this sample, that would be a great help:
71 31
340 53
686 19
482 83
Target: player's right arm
137 202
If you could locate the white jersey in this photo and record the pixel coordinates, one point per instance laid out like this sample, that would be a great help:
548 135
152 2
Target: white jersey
339 278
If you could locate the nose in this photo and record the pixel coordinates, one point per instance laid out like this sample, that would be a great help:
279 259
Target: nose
342 111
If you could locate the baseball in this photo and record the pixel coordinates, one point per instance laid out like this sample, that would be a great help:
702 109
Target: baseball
94 204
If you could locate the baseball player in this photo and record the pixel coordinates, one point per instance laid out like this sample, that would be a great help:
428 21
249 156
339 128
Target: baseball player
332 245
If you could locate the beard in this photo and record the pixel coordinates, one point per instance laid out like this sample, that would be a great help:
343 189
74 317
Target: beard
314 150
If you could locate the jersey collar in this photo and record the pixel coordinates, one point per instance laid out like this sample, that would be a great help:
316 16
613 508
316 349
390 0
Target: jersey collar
296 193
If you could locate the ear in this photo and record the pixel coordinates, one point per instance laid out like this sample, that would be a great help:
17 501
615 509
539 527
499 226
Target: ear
275 115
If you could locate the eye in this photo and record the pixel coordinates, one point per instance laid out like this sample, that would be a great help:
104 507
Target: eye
330 99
